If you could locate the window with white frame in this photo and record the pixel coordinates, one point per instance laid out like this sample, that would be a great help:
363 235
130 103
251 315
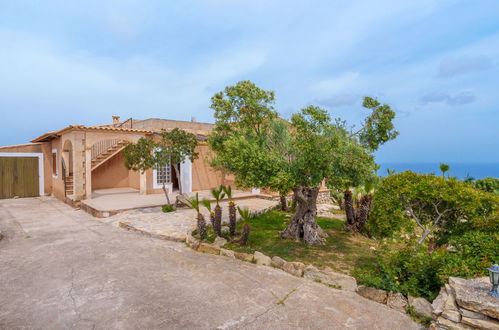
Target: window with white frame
163 175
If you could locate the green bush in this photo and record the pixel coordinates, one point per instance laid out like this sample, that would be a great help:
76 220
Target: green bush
489 184
168 208
463 207
415 271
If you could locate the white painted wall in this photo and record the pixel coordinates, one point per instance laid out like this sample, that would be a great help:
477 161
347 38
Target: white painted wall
186 176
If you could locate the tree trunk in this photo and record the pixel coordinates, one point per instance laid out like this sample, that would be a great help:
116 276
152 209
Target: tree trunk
232 218
166 194
245 235
303 224
218 220
341 204
201 226
177 172
284 206
212 220
363 213
349 210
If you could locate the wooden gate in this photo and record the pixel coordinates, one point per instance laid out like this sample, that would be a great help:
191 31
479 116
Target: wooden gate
19 177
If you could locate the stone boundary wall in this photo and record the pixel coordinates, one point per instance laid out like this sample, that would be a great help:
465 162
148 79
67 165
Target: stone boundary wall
465 304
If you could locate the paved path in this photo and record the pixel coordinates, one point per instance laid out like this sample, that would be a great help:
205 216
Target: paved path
61 269
175 225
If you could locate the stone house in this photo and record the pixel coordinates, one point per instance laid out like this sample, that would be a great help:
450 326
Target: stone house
77 160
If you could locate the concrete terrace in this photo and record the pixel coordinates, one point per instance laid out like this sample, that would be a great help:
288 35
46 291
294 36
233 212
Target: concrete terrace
106 202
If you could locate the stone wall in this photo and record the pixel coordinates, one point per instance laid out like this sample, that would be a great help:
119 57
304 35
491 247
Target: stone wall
464 304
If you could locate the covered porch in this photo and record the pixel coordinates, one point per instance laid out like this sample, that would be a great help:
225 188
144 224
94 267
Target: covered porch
107 202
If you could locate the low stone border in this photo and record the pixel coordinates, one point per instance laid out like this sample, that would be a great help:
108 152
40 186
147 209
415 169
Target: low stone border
327 276
420 306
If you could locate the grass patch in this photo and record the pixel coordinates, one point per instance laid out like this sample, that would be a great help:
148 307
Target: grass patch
341 252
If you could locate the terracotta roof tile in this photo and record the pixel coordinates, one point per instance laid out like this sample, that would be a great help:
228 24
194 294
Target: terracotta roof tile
51 135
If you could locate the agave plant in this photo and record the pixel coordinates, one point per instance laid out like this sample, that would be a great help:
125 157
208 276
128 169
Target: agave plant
218 194
207 204
246 217
232 210
194 204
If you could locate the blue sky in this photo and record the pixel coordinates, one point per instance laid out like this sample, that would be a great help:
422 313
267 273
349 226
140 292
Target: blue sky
436 62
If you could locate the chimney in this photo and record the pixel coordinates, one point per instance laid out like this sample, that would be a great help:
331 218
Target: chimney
116 120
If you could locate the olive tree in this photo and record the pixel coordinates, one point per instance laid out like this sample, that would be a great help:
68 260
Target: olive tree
265 151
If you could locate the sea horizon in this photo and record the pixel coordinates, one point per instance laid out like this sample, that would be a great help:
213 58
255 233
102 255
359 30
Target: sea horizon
458 170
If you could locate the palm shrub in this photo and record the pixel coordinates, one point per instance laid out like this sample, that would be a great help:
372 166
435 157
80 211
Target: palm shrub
207 204
218 194
194 204
232 210
444 168
246 217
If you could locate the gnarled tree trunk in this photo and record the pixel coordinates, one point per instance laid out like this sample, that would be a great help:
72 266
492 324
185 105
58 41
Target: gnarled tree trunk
303 224
284 206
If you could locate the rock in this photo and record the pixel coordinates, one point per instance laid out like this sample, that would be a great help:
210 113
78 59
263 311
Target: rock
450 303
445 324
227 253
473 315
278 261
293 269
343 281
372 293
262 259
225 229
208 248
472 294
452 315
243 256
397 301
438 304
481 324
219 242
421 306
299 265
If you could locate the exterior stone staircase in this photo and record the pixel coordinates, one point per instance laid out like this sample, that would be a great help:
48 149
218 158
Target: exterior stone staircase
69 185
109 151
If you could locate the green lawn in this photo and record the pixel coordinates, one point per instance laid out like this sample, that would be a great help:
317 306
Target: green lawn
341 252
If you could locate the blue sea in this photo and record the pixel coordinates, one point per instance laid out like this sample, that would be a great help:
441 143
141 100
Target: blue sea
459 170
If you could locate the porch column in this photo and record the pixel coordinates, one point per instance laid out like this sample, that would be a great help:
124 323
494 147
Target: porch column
186 176
78 142
88 172
143 183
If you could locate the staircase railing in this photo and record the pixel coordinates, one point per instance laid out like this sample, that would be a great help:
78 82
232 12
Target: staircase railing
126 124
102 146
